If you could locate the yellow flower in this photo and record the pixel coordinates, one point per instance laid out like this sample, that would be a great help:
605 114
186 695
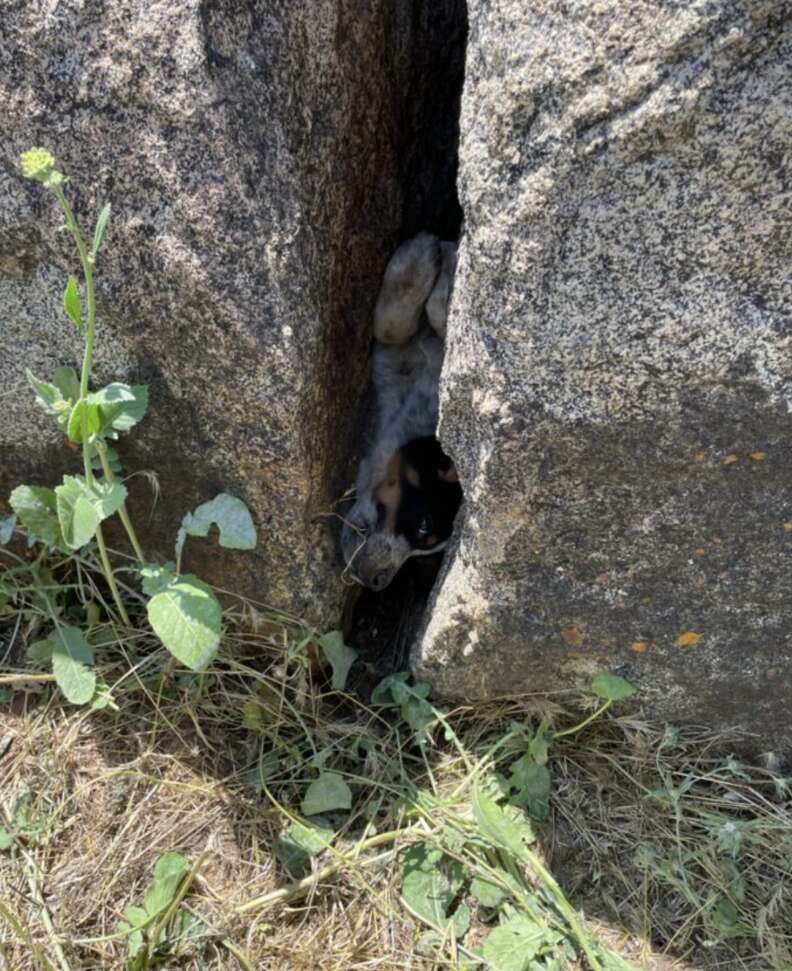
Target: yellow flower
37 164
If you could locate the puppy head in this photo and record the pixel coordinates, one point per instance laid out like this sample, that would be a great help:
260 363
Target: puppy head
373 550
408 511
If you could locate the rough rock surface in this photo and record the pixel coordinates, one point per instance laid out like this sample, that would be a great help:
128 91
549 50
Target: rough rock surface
618 381
255 154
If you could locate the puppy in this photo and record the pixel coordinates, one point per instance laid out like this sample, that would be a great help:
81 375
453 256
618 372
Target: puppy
405 479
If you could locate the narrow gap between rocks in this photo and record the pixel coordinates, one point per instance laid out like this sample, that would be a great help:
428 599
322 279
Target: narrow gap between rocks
383 625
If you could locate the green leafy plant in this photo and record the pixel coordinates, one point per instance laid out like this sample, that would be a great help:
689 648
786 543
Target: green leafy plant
156 929
68 519
411 700
483 847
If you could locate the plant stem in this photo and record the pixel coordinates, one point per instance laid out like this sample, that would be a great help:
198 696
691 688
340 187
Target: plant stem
122 512
90 328
586 721
565 907
87 265
299 887
110 576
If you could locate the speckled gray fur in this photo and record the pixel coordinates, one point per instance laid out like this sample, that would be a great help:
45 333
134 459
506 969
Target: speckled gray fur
406 378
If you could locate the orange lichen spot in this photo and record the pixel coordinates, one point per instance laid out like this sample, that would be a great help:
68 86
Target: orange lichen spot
639 646
700 551
699 456
604 577
572 636
758 456
688 639
717 540
788 527
731 459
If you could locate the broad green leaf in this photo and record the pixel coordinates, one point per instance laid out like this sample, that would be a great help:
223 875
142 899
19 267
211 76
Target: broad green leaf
53 398
611 687
66 381
400 692
186 617
340 656
36 507
532 784
169 871
71 655
103 697
415 709
47 395
312 835
77 515
136 916
611 961
725 918
6 840
108 498
92 416
40 652
514 944
7 529
229 514
292 857
540 744
325 794
156 578
111 395
101 227
135 943
383 693
71 303
486 893
130 412
81 508
111 402
506 828
430 884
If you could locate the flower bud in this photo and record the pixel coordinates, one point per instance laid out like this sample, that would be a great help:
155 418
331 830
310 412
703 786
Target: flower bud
37 164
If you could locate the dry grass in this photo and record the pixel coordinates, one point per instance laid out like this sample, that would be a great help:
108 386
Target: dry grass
95 797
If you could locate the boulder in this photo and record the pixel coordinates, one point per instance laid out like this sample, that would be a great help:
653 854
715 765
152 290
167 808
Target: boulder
260 159
618 378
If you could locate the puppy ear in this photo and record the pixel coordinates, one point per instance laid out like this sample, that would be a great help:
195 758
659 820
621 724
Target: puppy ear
449 474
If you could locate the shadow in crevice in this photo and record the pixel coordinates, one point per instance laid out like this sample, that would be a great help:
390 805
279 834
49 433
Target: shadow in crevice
382 625
431 110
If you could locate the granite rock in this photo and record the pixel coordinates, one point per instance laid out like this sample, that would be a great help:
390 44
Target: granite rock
618 378
256 157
